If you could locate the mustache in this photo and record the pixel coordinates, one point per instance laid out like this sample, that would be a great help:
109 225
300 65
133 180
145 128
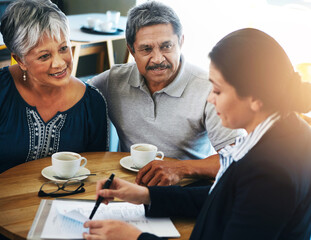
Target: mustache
161 65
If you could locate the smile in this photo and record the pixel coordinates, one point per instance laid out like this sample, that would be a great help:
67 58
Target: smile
58 73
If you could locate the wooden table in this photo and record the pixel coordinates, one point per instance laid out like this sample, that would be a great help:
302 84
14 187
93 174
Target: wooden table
87 44
19 188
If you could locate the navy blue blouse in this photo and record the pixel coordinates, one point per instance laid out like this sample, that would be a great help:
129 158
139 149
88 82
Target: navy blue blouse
24 136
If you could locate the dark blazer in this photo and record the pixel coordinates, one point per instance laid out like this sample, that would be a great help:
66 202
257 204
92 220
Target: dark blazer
265 195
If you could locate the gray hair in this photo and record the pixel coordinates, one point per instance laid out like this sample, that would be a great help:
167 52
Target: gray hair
25 22
148 14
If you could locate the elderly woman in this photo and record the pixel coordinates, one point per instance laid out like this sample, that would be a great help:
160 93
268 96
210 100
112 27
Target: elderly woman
263 187
43 109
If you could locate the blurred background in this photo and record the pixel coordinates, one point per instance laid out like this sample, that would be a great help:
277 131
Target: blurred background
207 21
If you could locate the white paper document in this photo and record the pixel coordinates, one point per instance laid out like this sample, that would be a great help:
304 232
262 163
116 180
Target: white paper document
66 218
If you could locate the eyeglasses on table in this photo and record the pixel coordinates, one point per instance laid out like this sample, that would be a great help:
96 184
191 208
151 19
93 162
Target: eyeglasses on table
57 189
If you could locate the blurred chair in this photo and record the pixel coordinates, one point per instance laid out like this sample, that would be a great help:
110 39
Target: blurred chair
13 61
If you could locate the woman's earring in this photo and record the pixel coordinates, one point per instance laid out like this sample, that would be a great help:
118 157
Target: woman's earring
24 76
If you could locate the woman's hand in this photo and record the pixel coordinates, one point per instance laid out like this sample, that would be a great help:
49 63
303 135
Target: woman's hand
110 229
123 190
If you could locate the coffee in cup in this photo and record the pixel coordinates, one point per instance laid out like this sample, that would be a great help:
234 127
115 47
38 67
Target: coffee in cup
143 153
67 164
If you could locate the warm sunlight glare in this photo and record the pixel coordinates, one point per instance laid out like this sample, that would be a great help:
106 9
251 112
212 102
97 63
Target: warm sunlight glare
207 21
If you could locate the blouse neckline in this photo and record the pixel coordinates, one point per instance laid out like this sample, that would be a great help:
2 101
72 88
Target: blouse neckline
34 108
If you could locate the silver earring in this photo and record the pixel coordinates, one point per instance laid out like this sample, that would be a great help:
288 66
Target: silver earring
24 76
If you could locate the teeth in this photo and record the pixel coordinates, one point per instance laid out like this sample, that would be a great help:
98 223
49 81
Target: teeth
57 74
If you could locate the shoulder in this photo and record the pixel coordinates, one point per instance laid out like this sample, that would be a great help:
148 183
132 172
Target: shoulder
193 69
123 70
285 148
195 83
92 94
6 83
197 78
196 71
5 76
291 131
117 72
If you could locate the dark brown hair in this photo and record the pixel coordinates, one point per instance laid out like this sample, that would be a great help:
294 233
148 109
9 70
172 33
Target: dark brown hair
256 65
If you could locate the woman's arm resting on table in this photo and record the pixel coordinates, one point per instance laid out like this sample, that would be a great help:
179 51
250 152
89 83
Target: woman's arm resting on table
164 173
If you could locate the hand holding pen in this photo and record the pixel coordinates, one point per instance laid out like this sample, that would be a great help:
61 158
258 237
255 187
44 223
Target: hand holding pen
122 190
106 192
100 198
110 228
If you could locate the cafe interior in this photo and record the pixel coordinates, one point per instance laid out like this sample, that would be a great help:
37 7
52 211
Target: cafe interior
204 23
288 21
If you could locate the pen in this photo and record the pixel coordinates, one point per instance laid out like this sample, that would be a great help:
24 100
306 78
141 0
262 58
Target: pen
100 199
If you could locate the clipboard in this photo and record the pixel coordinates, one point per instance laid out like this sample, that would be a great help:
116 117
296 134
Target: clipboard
162 227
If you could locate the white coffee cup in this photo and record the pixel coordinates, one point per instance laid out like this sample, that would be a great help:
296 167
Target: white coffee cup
91 22
67 164
143 153
105 26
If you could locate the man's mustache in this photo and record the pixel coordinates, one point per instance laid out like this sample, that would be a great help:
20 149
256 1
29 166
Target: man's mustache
161 65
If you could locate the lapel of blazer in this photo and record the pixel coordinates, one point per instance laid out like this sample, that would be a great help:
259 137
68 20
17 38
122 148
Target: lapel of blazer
275 131
220 185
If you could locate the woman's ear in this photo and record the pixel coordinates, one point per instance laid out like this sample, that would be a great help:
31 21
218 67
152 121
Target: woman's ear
256 104
19 62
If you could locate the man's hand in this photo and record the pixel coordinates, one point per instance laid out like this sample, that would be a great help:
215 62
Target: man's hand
161 173
166 173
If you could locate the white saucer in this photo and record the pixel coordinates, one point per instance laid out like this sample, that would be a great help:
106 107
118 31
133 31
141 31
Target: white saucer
128 164
49 173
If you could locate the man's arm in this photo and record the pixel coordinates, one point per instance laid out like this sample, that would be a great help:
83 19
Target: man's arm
164 173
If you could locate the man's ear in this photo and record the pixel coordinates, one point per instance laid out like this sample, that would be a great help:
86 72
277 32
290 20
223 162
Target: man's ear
181 43
130 49
19 61
256 104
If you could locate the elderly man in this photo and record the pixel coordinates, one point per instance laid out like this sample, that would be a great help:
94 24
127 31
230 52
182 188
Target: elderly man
161 99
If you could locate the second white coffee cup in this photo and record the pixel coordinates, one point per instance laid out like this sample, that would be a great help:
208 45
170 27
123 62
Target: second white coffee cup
67 164
143 153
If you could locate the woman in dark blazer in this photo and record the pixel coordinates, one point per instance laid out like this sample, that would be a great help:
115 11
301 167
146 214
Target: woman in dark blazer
263 187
